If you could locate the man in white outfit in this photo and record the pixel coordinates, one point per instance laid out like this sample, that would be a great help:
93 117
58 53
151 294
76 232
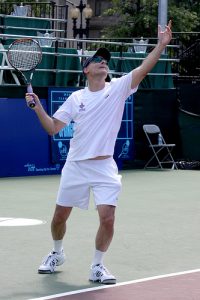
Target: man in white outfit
96 112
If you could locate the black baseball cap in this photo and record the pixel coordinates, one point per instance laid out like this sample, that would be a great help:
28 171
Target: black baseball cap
103 52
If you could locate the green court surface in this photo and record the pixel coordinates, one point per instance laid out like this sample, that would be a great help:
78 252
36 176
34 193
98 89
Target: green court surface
156 233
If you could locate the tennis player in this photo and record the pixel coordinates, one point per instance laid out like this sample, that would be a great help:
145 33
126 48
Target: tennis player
97 113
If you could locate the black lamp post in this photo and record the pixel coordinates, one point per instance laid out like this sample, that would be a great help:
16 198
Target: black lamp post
81 10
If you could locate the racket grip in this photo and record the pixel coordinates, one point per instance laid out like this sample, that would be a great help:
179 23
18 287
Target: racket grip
30 103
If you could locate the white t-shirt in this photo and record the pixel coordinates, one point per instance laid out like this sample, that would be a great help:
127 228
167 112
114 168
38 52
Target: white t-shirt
97 118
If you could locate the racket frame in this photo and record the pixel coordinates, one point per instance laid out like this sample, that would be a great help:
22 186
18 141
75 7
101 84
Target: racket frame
21 71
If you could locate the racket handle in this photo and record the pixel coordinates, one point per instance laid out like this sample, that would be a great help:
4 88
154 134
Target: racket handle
30 103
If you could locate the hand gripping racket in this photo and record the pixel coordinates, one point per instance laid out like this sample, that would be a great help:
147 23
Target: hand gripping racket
24 55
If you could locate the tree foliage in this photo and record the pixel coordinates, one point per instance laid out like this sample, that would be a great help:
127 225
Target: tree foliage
140 17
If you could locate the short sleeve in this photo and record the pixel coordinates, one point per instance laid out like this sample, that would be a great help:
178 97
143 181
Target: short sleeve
123 85
64 112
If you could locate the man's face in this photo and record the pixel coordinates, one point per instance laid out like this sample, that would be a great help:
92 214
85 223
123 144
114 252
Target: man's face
97 66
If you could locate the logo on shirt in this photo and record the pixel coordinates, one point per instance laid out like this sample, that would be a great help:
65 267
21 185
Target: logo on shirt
81 107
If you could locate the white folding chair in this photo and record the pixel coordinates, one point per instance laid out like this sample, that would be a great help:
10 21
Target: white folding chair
161 150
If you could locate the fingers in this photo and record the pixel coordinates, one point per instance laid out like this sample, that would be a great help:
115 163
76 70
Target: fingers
170 24
168 27
165 35
30 97
159 29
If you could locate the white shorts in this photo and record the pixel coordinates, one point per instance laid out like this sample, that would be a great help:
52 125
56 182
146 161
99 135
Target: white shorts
79 177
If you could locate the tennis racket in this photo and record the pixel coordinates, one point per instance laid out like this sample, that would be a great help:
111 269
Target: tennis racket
24 55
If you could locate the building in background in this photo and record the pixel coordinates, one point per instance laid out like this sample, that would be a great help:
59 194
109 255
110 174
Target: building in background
99 21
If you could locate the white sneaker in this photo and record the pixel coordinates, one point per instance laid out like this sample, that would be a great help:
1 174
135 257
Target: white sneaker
51 261
100 274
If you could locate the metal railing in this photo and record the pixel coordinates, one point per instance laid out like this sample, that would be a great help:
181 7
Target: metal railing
188 53
35 9
56 14
92 45
183 43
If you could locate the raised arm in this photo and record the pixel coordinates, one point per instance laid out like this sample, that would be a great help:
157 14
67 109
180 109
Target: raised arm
51 125
164 37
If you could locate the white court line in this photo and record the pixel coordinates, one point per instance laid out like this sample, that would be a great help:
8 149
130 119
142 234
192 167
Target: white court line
5 219
19 222
118 284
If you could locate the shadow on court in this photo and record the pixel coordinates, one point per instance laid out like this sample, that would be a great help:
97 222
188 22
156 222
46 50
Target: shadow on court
157 233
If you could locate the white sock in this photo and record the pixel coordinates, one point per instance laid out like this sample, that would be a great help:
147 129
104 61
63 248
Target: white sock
98 258
57 246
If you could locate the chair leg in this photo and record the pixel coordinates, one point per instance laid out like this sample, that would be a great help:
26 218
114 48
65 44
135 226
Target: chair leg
164 160
155 156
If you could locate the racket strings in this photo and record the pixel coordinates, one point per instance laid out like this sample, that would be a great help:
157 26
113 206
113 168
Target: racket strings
25 54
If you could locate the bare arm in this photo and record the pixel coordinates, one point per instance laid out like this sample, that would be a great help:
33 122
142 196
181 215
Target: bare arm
51 125
139 73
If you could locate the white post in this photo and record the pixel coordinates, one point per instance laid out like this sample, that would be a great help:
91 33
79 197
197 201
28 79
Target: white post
162 14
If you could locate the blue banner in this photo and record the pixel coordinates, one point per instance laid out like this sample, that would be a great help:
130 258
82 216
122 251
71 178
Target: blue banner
25 146
60 142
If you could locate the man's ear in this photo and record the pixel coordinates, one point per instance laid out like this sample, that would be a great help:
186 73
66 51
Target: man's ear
85 71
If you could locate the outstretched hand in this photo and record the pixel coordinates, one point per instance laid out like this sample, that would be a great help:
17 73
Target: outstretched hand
165 36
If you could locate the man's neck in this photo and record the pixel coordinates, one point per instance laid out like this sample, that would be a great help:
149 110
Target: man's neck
96 85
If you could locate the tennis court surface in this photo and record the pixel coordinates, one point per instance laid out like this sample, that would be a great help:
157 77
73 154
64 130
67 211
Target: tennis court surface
154 253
